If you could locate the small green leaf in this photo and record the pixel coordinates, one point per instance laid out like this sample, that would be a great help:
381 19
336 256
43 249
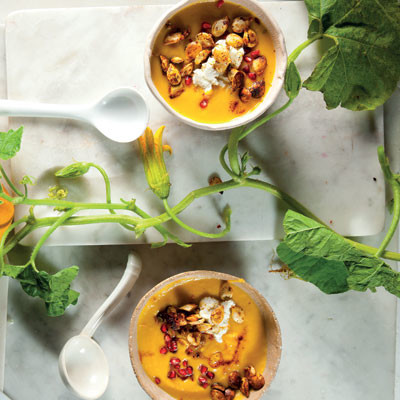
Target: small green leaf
320 256
10 143
292 81
74 170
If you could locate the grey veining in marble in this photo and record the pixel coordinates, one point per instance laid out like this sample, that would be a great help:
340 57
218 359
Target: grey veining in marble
326 159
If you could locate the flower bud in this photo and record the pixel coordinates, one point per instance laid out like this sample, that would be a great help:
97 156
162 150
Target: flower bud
156 172
74 170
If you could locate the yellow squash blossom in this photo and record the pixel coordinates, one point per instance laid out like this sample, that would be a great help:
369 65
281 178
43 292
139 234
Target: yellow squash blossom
152 149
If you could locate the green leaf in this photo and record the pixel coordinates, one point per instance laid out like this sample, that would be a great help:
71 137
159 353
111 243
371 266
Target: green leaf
53 289
292 81
10 143
320 256
361 69
74 170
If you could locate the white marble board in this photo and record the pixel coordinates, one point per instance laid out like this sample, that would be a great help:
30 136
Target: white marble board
326 159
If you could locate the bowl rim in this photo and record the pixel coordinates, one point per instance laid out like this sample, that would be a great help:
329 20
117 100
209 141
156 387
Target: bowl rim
145 381
277 82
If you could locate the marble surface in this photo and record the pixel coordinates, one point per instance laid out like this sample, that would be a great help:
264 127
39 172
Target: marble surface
334 347
332 152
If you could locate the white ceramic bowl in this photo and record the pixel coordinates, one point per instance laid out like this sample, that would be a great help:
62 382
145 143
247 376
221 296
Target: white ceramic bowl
273 333
277 82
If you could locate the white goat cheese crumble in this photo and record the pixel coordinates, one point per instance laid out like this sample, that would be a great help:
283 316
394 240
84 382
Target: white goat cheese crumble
207 306
206 77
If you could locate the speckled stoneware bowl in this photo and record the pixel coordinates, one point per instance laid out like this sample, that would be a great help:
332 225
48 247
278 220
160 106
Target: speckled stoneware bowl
274 339
277 82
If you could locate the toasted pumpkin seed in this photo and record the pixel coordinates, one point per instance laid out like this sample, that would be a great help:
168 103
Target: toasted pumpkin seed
177 60
204 327
192 49
250 38
237 314
245 95
240 24
257 89
202 56
173 38
164 62
234 40
226 291
205 39
220 26
173 75
187 69
188 307
175 91
259 65
217 315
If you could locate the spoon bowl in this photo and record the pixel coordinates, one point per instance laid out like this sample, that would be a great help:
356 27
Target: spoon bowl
84 368
121 115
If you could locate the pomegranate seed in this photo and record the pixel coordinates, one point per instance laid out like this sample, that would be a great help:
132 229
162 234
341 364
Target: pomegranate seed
210 375
255 53
204 103
220 3
167 338
206 25
246 69
248 59
189 371
174 361
204 385
202 380
185 363
163 350
164 328
182 372
173 346
157 380
252 76
203 369
188 80
171 374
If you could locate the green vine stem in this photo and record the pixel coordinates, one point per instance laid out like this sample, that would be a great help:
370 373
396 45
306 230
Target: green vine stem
391 179
60 221
108 191
9 182
196 231
296 52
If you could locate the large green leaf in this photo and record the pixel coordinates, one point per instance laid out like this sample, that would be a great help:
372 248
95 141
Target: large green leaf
361 69
10 143
55 289
320 256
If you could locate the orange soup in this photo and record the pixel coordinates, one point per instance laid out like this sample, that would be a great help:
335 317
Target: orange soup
200 336
213 63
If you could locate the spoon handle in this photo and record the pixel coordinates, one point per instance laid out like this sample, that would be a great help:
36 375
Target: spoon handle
14 108
131 274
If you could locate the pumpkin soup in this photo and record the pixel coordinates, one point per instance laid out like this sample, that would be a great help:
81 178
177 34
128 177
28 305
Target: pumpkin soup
213 62
203 338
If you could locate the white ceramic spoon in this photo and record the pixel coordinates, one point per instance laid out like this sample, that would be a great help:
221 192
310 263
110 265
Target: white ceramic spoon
82 363
121 115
